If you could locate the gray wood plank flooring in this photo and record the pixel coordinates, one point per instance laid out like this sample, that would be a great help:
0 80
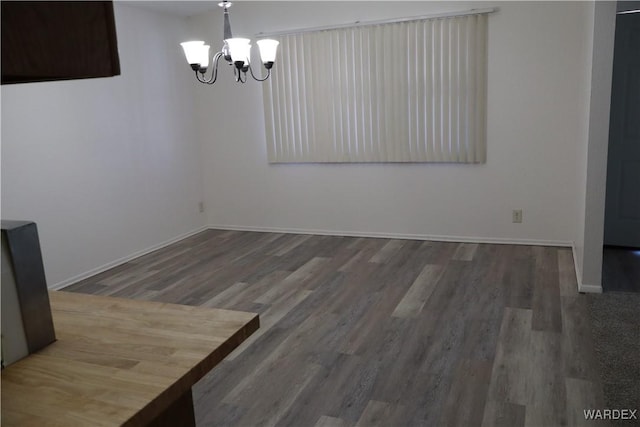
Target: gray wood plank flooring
380 332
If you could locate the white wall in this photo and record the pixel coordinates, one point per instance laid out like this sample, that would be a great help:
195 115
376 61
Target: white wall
106 167
539 71
590 237
110 167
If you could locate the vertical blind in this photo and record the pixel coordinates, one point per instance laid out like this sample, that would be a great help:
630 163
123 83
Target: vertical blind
411 91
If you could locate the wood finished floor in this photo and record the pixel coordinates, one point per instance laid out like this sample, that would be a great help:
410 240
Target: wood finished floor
379 332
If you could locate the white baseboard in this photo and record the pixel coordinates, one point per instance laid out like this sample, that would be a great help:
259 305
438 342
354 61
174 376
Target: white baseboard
437 238
591 289
575 265
120 261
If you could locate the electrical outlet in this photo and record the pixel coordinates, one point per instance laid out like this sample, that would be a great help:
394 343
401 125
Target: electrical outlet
201 206
517 216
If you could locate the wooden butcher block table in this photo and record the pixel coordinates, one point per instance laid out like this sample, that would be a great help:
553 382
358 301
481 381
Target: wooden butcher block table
119 362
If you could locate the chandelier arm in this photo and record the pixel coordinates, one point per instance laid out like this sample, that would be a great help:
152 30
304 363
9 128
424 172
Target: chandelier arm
257 79
201 78
214 73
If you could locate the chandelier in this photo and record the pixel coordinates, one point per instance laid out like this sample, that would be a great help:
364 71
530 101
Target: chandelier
236 51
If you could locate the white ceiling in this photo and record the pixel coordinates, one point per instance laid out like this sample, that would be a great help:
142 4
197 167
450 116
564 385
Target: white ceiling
175 7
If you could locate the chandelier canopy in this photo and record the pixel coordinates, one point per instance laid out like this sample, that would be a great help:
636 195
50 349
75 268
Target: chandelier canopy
235 50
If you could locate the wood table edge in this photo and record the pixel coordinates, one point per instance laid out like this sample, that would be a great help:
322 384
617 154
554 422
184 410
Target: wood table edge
184 384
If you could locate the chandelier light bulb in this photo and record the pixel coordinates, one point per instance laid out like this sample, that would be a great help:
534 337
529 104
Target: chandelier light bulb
268 49
239 48
204 56
193 51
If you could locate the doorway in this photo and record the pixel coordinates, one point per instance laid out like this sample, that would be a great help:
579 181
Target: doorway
621 252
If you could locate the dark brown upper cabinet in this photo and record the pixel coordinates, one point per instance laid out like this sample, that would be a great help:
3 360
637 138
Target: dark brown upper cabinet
58 40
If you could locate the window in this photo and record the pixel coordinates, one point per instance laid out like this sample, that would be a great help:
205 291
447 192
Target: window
407 91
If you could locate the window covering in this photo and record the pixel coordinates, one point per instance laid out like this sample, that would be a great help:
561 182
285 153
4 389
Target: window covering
409 91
